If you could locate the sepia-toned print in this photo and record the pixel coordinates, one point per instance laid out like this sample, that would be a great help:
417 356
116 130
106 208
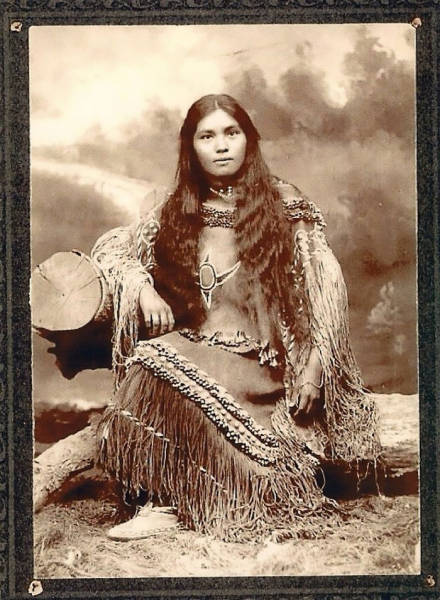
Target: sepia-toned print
224 300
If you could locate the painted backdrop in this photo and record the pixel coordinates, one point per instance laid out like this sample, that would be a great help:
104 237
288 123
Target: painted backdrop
335 105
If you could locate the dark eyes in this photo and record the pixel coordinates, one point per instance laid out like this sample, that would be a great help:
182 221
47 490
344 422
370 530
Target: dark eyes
230 133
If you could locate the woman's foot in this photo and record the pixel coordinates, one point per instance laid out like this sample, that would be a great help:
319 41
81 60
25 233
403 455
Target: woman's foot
147 521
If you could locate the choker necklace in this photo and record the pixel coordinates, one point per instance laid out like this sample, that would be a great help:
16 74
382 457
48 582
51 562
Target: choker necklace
225 193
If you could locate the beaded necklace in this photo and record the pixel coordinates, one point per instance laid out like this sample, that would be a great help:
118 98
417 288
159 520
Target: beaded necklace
218 217
225 193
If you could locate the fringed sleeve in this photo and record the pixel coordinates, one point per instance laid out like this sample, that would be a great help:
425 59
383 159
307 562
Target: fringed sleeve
125 256
349 429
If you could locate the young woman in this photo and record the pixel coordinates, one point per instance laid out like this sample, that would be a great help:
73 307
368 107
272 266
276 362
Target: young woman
231 352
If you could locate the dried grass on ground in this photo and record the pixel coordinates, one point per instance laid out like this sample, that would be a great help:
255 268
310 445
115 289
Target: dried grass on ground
380 536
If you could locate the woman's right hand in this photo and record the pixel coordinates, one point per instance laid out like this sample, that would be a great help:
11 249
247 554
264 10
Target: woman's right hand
158 316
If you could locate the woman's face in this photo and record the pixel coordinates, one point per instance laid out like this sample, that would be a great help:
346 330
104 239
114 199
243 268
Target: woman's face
220 145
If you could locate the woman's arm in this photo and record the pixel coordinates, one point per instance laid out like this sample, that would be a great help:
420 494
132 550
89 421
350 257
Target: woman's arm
349 427
308 382
325 296
319 282
125 256
303 215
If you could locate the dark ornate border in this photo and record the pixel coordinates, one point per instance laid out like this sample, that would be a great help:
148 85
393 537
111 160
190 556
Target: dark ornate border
107 5
15 357
4 538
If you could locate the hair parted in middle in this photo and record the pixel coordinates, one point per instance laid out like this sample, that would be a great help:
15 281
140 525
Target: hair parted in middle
262 234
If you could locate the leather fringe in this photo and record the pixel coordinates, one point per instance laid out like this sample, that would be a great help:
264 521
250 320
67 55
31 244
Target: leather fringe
155 439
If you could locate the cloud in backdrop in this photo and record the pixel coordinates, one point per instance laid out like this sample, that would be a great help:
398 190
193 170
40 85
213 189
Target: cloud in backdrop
334 105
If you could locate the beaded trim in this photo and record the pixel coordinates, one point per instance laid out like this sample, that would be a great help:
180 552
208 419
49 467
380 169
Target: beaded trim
240 343
301 209
216 217
218 405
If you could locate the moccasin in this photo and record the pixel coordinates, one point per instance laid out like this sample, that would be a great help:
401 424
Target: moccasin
148 521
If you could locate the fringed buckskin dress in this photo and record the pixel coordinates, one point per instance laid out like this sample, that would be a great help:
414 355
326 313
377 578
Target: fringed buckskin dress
200 418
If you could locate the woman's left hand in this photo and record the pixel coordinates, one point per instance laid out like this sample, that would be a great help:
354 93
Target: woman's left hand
308 402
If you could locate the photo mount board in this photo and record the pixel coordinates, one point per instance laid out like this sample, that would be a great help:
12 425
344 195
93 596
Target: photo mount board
16 560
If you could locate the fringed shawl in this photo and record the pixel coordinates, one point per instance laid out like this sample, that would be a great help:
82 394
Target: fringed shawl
349 430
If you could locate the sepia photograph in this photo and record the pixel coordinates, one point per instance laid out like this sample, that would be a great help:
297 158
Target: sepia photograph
224 300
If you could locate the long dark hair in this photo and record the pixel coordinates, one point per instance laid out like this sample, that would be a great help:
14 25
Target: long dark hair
262 234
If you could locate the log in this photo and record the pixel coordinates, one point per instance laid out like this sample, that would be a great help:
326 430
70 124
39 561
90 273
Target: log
67 292
399 431
399 436
71 307
61 462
